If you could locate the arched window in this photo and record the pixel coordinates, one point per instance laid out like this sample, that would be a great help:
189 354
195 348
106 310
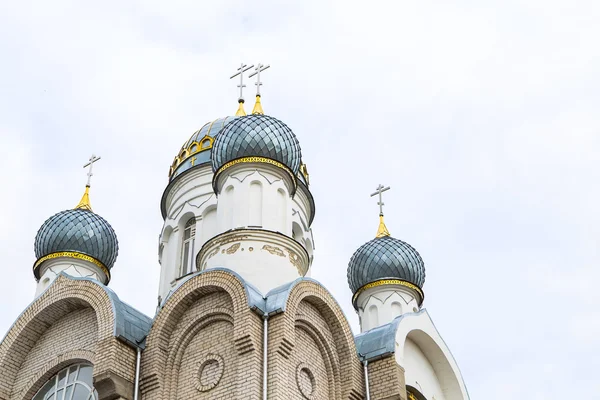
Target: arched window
72 383
373 317
255 203
187 250
396 309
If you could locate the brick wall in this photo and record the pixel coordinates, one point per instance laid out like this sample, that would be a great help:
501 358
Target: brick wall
386 380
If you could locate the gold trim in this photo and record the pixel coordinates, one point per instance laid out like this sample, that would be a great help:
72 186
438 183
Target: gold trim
190 153
304 171
382 282
71 254
263 160
84 203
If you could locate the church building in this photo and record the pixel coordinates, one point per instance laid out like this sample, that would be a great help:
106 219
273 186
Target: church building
238 316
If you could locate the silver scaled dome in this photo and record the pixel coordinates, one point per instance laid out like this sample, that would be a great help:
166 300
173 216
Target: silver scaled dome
256 135
78 231
385 258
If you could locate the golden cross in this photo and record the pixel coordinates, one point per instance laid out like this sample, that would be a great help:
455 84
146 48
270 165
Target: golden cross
193 160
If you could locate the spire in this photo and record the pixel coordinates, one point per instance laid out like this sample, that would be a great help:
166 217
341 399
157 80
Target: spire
243 68
257 106
382 230
84 203
240 111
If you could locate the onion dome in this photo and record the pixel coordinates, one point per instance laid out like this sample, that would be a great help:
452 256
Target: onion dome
79 233
196 150
385 260
256 138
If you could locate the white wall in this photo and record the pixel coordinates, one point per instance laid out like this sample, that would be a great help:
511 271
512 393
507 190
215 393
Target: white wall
72 266
427 361
419 373
252 195
380 305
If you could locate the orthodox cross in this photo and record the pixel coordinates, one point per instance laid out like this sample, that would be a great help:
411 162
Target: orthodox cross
259 68
92 160
243 68
380 190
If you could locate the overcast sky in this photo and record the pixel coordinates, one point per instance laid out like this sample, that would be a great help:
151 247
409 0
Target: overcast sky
483 117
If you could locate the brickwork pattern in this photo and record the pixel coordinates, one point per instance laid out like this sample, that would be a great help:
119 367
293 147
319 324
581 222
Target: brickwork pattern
81 312
311 307
208 314
311 356
386 380
75 331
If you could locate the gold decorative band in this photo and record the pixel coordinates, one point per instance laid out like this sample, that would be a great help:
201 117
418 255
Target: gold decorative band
256 160
71 254
388 282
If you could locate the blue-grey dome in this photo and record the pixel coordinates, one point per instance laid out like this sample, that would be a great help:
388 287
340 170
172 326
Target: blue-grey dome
196 150
256 135
79 231
385 258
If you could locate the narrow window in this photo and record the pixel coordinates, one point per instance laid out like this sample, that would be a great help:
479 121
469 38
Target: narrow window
255 205
373 317
187 252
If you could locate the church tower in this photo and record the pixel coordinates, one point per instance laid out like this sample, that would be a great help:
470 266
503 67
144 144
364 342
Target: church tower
78 242
386 276
238 198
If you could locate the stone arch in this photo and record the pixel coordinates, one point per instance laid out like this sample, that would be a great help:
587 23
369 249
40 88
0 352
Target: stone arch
65 294
161 351
178 347
52 367
351 379
297 232
442 368
328 353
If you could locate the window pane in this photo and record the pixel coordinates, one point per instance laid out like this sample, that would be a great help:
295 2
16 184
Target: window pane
69 393
81 392
62 378
186 255
45 389
72 374
59 394
187 233
85 374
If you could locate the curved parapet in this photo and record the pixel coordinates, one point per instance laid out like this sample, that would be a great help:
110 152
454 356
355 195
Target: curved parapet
85 322
418 348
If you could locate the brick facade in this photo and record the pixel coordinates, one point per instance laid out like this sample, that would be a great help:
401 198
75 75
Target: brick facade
205 343
386 380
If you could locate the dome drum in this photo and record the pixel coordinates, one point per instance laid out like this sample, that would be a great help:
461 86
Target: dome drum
389 282
251 163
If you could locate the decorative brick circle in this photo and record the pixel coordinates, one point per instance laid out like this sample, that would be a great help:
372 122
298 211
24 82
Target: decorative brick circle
210 372
306 381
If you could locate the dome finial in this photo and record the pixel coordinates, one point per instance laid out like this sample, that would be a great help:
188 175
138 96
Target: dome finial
257 106
243 68
382 231
84 203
